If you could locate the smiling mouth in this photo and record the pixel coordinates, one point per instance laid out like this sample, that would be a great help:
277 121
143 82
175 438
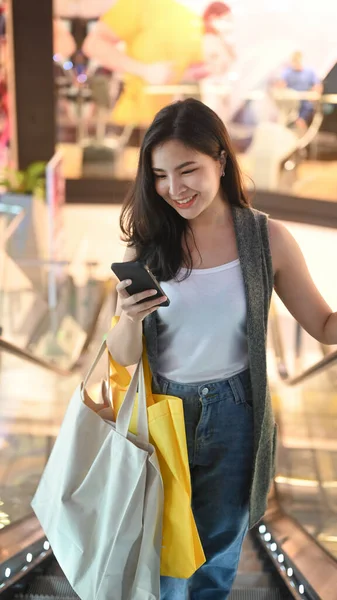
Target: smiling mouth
186 202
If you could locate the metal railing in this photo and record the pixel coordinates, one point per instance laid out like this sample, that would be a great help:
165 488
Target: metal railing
6 346
274 326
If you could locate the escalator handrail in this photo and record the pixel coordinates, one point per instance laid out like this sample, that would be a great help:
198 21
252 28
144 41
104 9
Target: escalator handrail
29 357
283 371
318 367
7 346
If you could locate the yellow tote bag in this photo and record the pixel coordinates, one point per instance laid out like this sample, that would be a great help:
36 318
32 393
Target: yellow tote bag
182 552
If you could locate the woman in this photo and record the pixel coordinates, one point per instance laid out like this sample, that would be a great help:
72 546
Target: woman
189 219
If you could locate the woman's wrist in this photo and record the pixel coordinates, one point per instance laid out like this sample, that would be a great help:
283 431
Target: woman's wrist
125 341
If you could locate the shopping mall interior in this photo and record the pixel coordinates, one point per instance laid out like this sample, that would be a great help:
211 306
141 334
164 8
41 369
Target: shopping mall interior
80 82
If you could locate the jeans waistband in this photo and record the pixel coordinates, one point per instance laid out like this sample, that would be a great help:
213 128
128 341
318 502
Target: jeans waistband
213 386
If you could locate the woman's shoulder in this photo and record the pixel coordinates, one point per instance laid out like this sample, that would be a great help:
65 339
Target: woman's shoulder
249 213
258 214
281 242
264 228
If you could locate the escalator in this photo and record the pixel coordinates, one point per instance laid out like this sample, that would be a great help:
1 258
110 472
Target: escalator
290 554
256 580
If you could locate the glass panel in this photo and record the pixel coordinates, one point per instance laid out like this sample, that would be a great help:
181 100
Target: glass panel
45 307
307 455
10 218
307 413
56 334
33 403
318 246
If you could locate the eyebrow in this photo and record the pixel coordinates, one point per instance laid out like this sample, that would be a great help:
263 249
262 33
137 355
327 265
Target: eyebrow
185 164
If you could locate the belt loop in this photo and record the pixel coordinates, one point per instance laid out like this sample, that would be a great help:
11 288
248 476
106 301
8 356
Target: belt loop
233 384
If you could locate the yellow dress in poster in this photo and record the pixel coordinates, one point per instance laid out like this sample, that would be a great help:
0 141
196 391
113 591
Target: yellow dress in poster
153 31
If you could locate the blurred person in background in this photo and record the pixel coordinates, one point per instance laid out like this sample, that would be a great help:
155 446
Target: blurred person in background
151 43
302 79
218 43
219 55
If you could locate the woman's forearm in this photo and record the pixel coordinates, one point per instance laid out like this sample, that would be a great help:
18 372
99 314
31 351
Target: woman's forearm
106 53
125 341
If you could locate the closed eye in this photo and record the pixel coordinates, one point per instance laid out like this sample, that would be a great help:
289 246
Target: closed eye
187 172
159 176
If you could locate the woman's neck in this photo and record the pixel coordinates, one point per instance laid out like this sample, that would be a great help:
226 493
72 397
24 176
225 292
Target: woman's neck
215 216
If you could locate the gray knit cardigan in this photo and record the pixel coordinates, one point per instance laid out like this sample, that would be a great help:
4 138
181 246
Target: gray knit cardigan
251 227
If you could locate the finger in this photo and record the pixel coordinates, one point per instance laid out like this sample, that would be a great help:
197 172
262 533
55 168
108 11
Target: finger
141 307
135 298
123 284
147 312
121 288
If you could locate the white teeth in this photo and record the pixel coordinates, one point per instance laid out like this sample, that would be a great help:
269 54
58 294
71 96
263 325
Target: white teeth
185 201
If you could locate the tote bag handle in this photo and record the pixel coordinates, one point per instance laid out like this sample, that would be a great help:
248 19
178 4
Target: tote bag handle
126 410
100 353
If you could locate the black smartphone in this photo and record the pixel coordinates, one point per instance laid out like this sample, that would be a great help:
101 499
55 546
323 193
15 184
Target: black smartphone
141 277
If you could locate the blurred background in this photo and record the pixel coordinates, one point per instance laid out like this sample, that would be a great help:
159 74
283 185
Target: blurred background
79 84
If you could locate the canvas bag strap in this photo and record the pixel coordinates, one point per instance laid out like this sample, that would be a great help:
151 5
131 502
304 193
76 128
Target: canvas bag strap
125 412
99 355
120 374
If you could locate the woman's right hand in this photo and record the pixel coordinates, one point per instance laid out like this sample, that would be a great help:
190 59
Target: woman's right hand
130 304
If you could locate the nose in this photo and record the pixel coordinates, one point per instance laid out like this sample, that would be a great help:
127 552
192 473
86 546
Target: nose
176 186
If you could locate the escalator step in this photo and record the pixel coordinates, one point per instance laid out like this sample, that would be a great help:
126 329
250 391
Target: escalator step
257 594
258 579
50 585
54 569
254 564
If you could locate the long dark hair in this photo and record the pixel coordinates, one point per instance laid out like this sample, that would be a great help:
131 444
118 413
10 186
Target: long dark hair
149 224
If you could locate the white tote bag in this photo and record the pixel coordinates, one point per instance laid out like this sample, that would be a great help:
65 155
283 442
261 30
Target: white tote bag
100 500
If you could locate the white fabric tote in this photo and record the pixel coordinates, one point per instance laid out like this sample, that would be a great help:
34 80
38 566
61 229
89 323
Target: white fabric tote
100 500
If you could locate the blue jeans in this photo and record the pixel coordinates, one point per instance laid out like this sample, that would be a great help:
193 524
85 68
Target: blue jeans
219 430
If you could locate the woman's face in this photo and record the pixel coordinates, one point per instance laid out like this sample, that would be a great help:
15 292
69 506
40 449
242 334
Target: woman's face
187 180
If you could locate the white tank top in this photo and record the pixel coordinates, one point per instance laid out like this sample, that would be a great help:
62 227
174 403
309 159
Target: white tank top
202 335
